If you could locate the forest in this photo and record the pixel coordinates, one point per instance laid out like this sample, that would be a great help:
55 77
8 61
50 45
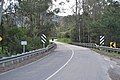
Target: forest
99 18
28 19
25 21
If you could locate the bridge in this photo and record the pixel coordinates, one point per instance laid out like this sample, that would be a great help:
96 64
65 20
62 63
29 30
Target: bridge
66 62
94 24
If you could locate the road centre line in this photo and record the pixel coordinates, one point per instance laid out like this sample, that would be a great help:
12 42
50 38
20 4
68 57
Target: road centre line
62 66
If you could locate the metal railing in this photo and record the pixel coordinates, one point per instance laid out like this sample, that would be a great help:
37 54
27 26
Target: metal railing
93 45
7 61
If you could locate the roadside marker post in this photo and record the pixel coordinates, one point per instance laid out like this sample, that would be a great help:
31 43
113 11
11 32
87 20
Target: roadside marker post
112 44
1 38
43 39
2 51
102 40
23 43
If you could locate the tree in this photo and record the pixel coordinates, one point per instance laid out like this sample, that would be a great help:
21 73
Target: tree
99 17
26 21
110 22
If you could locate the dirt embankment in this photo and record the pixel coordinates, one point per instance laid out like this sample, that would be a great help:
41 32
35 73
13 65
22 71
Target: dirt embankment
115 72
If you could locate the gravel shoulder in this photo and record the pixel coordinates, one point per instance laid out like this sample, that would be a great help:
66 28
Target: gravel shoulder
114 72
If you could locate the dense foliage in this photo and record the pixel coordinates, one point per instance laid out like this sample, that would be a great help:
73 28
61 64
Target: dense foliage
26 21
98 18
31 18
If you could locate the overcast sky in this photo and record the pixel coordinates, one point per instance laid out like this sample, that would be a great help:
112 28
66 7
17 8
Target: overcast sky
65 7
7 2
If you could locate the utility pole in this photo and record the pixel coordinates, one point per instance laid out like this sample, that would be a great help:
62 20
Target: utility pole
77 37
78 20
1 23
1 8
2 38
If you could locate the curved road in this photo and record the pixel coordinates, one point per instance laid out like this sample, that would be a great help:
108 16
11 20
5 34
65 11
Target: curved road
67 62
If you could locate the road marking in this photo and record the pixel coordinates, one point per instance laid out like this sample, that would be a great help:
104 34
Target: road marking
107 59
62 66
112 66
109 77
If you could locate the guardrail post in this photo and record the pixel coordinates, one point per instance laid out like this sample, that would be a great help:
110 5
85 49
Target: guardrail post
3 64
22 58
18 60
9 61
12 62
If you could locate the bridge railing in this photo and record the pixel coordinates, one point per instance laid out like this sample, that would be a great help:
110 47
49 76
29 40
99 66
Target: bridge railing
93 45
7 61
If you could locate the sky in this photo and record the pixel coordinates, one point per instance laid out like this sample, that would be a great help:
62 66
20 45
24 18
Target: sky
65 7
7 3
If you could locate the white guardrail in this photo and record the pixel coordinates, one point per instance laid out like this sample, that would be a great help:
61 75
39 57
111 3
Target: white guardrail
6 61
93 45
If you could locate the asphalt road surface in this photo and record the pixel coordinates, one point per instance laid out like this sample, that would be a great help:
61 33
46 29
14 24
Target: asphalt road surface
67 62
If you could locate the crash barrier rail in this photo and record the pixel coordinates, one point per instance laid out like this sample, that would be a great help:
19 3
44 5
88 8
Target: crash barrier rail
6 61
93 45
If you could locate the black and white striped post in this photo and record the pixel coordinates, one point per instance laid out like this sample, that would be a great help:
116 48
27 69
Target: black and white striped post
43 39
102 40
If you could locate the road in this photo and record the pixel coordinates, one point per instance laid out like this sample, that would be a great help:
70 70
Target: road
67 62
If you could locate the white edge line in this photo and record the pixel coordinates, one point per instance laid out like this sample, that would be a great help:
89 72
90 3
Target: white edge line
112 66
61 67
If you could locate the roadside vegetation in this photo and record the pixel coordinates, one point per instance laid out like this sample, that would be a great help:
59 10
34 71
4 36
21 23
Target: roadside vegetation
25 21
110 54
31 18
65 40
99 17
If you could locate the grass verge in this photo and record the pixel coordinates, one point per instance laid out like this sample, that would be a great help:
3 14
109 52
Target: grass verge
110 54
65 40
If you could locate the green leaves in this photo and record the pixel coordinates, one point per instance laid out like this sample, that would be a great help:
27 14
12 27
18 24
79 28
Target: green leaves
33 20
108 23
98 18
